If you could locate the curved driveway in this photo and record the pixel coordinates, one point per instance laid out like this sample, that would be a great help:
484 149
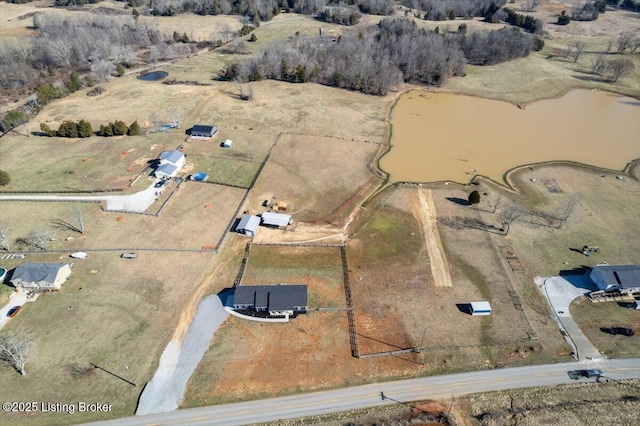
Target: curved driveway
370 395
560 291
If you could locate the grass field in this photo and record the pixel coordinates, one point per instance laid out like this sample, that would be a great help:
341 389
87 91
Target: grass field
319 268
579 404
313 175
115 313
594 316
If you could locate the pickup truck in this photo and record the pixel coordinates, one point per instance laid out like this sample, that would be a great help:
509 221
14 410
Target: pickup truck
578 374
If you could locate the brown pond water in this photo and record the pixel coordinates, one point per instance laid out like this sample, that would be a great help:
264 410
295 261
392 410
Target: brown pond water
440 137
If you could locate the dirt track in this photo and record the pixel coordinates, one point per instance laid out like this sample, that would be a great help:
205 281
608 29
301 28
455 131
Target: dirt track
439 264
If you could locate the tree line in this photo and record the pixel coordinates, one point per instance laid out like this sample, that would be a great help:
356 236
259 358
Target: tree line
440 10
83 129
375 59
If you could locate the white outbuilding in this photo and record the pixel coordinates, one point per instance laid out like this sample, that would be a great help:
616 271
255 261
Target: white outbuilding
480 308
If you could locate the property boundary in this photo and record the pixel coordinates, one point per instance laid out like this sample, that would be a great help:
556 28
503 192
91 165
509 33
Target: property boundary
351 316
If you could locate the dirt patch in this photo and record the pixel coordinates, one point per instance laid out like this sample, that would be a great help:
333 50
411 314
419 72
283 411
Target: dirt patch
438 261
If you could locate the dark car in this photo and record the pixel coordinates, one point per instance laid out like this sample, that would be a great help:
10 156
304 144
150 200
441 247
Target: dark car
159 184
625 331
14 311
578 374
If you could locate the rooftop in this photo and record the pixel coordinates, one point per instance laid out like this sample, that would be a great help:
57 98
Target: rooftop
172 156
278 297
623 275
37 272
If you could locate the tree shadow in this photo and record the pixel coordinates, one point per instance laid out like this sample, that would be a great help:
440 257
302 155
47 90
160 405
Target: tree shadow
591 78
458 222
459 201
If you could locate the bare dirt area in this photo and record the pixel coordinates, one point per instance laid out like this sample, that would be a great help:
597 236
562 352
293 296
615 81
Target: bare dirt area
578 404
303 173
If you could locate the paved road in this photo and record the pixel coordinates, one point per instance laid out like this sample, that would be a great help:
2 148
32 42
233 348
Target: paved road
370 395
560 291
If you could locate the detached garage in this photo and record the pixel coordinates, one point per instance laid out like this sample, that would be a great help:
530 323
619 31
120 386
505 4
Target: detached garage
480 308
203 131
248 225
276 219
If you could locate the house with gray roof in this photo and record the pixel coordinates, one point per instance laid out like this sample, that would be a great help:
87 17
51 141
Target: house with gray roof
170 163
276 300
622 278
41 276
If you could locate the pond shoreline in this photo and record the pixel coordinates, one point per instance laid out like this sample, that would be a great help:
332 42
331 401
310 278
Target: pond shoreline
505 180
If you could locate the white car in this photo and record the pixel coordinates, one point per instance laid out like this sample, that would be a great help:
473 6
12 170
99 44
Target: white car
79 255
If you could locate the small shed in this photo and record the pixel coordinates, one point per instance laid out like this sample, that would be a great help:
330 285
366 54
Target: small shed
248 225
199 176
227 144
276 219
480 308
203 131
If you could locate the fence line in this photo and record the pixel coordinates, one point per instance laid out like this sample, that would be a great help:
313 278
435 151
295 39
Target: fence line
351 318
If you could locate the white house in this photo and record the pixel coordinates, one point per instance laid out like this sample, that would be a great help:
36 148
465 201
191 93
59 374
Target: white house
170 163
623 278
41 276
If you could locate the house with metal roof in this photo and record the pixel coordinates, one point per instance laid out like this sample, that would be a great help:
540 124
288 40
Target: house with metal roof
622 278
276 219
41 276
203 131
169 164
248 225
276 300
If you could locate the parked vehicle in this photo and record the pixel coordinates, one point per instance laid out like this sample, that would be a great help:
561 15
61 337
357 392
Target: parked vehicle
129 255
578 374
14 311
625 331
79 255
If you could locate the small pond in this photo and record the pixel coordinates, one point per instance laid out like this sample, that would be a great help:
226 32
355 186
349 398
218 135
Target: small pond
153 76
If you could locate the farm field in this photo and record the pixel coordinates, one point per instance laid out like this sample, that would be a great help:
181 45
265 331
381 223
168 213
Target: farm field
314 176
120 314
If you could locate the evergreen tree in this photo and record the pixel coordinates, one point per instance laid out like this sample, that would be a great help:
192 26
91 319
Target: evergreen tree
4 178
84 129
474 197
134 129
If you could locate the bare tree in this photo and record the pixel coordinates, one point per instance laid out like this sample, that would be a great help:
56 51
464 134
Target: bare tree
509 214
635 44
4 239
530 5
39 238
619 68
623 42
225 31
598 64
103 70
577 47
568 211
16 349
610 44
76 224
155 120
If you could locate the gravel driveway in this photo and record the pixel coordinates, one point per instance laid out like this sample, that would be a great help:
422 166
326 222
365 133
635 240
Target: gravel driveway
165 390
